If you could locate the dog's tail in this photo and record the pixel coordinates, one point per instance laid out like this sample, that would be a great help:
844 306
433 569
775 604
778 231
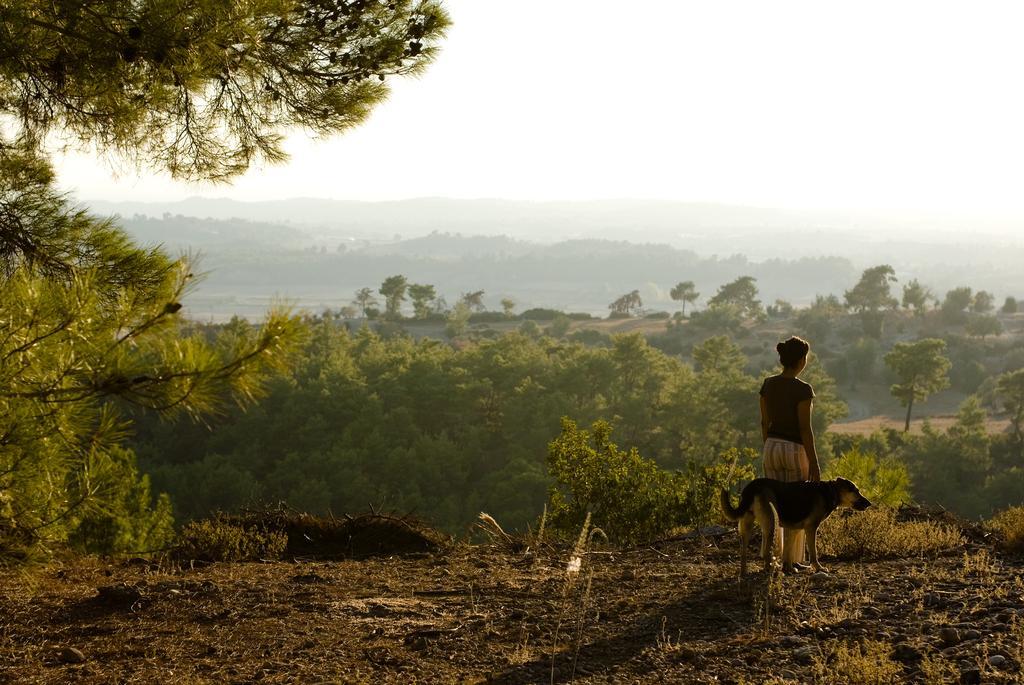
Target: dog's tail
734 513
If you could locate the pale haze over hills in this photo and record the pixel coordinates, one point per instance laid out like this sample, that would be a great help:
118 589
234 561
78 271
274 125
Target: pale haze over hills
570 255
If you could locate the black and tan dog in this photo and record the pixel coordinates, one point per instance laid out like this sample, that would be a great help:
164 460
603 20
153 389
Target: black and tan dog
794 506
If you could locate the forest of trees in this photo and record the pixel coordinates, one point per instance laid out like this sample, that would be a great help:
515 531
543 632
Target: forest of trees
110 400
447 429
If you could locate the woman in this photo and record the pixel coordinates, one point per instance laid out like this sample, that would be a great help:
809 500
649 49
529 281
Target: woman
789 453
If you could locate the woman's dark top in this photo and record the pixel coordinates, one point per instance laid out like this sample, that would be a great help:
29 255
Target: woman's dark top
782 395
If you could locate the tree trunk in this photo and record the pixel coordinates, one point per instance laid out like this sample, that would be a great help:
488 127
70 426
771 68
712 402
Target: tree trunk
910 406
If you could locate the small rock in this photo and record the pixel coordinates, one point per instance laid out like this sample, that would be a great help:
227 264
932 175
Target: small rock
118 595
791 641
905 652
70 655
950 636
804 655
997 661
999 627
949 652
971 635
970 676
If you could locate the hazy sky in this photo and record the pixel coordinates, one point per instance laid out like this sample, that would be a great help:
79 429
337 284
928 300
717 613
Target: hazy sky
914 104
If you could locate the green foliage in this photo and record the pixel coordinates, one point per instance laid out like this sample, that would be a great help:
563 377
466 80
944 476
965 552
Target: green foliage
559 327
1010 305
983 302
473 300
742 294
422 297
982 326
457 321
719 318
125 519
876 533
685 292
954 307
952 468
916 297
625 495
873 290
1009 525
780 310
922 369
394 290
817 321
861 358
630 498
629 304
206 88
1010 390
883 481
89 327
219 539
365 300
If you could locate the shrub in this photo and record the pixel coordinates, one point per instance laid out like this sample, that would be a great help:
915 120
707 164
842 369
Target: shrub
866 663
540 314
619 315
630 498
657 315
884 482
217 539
876 533
487 317
1009 525
592 337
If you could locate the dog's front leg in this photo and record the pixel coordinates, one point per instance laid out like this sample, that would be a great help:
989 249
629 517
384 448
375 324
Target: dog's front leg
812 549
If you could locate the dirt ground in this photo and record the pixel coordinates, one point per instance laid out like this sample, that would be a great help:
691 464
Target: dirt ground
671 612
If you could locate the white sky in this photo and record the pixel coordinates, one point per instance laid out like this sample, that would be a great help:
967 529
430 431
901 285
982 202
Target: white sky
817 104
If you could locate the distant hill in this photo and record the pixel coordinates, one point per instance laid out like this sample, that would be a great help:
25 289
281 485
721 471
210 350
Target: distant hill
577 255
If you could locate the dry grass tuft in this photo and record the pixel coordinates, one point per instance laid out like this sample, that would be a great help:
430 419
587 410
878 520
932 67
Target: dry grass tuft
1009 526
938 671
877 533
216 539
865 663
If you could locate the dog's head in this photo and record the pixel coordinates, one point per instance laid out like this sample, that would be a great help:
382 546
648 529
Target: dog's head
849 495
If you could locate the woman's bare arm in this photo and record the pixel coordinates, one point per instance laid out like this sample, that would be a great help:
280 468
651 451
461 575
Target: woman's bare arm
807 436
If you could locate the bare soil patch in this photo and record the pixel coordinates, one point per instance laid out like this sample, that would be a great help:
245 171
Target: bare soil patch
674 611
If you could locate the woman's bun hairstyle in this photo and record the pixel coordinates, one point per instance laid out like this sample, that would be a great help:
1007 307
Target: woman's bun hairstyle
792 351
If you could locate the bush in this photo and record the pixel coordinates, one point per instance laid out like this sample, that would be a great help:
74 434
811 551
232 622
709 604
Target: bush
865 663
1009 525
218 539
487 317
885 482
876 533
657 315
619 315
539 314
592 337
628 497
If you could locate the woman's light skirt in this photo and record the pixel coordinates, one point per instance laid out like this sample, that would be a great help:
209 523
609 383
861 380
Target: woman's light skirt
787 461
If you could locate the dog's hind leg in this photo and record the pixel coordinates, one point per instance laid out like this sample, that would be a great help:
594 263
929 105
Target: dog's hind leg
768 522
745 525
